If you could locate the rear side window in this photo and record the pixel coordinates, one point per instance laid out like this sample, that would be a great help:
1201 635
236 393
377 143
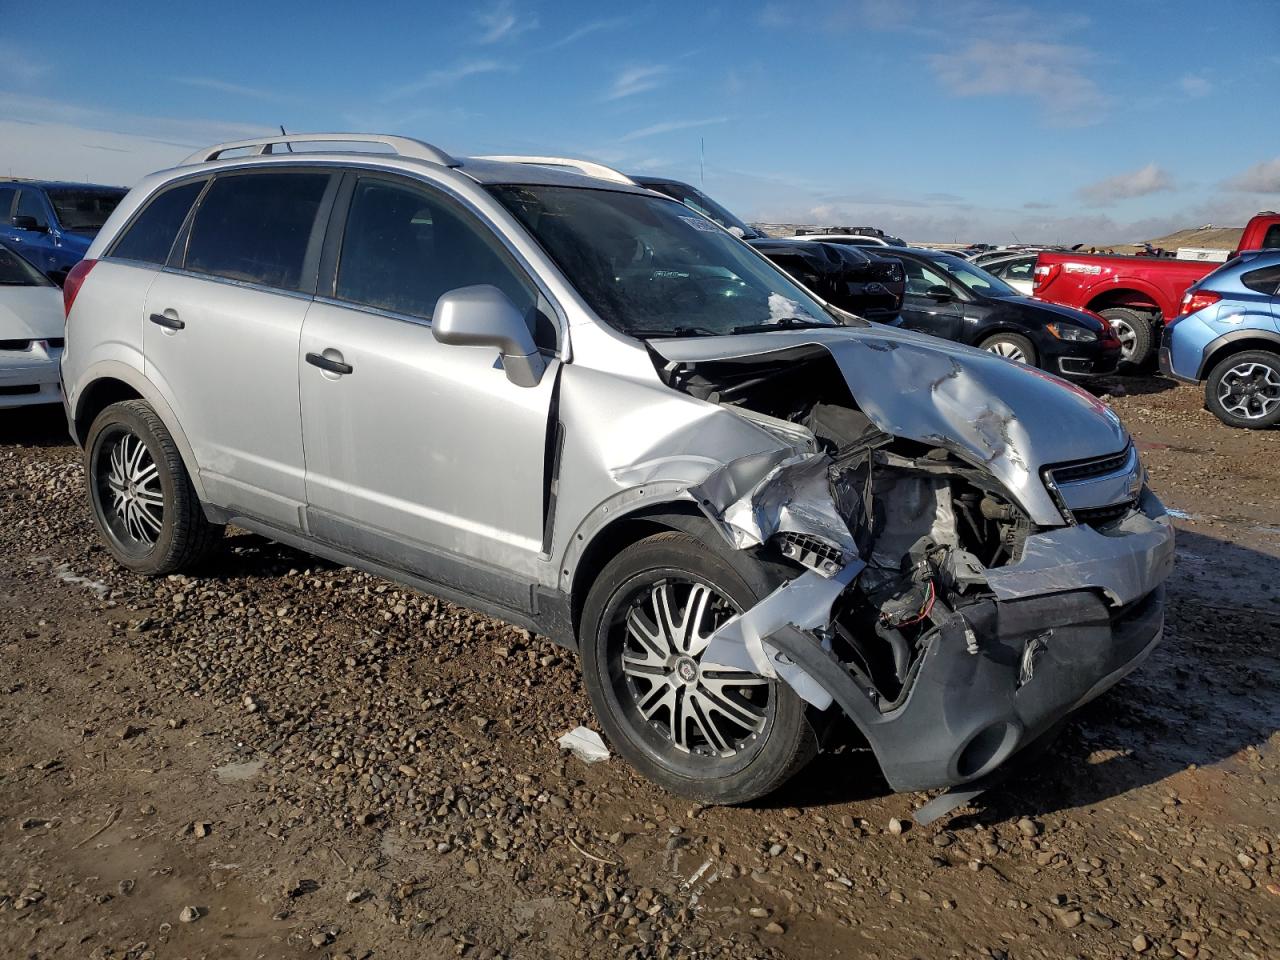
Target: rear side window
403 247
256 227
1271 238
1265 281
150 237
31 204
6 202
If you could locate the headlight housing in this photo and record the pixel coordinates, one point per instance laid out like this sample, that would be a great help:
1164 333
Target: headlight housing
1066 331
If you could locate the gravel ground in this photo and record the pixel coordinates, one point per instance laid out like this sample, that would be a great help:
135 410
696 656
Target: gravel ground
282 757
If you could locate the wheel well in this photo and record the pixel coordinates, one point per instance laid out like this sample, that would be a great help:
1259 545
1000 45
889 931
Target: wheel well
97 397
615 538
1237 346
1131 299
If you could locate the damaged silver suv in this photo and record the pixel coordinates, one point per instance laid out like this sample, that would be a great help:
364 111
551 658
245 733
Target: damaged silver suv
543 392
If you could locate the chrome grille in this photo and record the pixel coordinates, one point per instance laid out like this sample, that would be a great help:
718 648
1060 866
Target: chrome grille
1099 491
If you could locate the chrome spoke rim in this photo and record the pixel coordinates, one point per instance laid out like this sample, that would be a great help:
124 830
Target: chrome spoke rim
134 500
1126 335
697 707
1010 351
1249 390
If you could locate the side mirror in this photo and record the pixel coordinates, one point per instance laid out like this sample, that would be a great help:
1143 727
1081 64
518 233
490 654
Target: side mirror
939 293
484 316
29 223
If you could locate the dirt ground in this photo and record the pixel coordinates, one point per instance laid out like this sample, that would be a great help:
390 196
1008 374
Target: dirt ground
285 758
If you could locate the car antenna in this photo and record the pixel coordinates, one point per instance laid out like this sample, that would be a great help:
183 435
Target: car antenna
288 146
702 163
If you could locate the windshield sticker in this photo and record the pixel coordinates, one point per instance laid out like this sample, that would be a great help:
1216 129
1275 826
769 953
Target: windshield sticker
698 223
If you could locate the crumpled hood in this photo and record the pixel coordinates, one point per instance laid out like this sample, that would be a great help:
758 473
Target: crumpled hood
30 313
1013 419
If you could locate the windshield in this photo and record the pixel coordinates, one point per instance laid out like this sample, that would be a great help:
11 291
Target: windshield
974 278
697 200
650 267
16 272
84 210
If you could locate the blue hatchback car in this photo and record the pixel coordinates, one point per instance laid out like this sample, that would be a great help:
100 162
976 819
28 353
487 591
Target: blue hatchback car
1227 334
52 224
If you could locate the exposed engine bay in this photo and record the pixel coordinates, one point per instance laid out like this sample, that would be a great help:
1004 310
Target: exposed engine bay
926 524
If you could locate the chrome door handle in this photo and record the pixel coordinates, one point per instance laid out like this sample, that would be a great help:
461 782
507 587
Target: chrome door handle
171 323
324 363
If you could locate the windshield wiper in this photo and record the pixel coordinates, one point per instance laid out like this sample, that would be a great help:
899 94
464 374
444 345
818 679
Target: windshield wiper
783 323
675 332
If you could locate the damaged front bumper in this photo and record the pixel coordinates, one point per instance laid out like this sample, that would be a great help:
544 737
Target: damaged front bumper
1079 611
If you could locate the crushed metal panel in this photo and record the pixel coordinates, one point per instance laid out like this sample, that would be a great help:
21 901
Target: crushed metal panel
803 603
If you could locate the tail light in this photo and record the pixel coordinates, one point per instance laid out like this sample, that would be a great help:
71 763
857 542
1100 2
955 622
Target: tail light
75 280
1197 300
1044 275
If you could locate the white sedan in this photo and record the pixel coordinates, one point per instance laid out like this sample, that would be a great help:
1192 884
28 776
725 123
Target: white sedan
31 332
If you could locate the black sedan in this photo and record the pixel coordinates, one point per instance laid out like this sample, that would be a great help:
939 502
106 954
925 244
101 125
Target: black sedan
949 297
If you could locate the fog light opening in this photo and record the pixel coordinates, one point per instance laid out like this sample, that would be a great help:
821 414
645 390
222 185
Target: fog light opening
987 749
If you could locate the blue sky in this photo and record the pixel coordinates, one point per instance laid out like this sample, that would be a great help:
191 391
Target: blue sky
967 119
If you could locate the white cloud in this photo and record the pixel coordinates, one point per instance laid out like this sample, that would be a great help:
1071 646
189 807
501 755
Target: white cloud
1262 177
587 29
235 89
502 22
19 68
1051 73
638 79
1195 85
1123 186
52 139
448 76
669 126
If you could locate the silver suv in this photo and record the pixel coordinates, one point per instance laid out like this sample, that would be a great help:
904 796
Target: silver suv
536 389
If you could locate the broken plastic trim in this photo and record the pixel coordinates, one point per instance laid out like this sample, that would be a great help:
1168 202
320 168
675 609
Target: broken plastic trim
804 603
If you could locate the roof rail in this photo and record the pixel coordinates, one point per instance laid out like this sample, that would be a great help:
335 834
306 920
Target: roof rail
597 170
260 146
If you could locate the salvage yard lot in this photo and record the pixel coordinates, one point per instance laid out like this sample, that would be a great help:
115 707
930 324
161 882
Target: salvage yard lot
322 764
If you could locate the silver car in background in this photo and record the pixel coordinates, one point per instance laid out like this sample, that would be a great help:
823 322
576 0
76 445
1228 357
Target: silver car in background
31 320
546 393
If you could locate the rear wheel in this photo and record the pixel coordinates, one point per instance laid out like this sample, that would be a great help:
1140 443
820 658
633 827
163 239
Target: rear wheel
142 499
1135 333
1244 390
1011 346
697 729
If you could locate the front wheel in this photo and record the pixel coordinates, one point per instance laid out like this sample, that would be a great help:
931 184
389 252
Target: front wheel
1244 390
141 496
698 729
1135 333
1011 346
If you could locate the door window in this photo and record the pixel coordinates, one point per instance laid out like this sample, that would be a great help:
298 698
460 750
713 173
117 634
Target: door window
1019 270
257 227
920 278
30 205
152 233
404 247
6 202
1272 237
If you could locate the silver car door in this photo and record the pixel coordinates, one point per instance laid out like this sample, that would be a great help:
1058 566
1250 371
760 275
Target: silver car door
221 337
418 453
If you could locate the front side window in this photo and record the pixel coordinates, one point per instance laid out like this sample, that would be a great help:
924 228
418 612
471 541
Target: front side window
6 202
256 227
920 279
651 267
84 209
152 233
1271 239
16 272
30 205
1019 270
405 246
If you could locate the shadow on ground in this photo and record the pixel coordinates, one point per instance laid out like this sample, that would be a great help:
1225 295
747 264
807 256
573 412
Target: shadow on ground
42 426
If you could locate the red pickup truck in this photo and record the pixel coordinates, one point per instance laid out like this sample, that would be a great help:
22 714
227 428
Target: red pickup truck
1135 294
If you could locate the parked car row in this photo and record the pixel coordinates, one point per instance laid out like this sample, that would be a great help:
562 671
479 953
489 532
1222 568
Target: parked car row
543 390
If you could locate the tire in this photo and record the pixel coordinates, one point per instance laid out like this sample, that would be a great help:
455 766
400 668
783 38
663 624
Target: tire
1011 346
1137 336
720 760
1243 390
140 494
